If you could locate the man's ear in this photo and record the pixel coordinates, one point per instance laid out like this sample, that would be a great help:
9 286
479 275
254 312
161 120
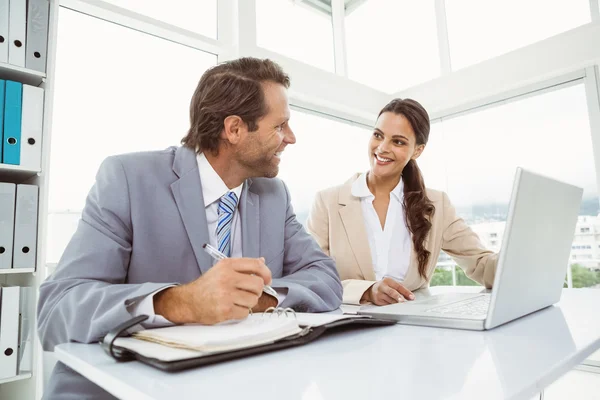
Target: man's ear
233 129
418 151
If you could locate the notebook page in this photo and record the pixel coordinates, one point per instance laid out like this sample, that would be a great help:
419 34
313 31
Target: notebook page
227 336
318 319
157 351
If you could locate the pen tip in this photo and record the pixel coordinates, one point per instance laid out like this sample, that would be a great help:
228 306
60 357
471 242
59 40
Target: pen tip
204 246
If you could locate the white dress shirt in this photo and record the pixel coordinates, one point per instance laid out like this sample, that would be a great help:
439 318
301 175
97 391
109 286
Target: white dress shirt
213 188
391 246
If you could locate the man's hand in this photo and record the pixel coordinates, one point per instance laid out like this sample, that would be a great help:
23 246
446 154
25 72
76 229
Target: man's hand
387 291
229 290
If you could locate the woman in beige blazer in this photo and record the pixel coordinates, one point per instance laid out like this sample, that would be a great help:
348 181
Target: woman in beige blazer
383 228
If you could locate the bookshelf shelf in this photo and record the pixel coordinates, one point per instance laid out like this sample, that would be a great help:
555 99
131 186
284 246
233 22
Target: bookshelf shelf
30 385
16 271
15 173
16 378
24 75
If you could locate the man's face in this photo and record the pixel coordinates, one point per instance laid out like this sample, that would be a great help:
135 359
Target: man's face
260 151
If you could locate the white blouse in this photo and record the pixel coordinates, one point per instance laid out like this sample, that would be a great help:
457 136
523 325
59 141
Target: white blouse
391 246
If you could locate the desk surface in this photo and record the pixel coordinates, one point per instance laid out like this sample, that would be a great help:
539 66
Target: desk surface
513 361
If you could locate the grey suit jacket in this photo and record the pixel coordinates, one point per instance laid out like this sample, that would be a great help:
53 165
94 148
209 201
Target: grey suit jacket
143 227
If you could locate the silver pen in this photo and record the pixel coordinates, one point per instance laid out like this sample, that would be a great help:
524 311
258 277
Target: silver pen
217 255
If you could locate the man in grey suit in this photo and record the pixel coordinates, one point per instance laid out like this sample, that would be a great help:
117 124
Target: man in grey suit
138 247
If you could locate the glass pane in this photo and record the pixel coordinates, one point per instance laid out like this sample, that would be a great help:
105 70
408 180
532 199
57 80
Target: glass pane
299 30
326 153
392 44
195 16
483 149
110 100
479 30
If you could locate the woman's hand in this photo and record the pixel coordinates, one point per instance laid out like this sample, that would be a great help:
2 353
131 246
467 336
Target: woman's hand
387 291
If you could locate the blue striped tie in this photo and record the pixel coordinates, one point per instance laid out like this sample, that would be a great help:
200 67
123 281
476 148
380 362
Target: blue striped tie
227 207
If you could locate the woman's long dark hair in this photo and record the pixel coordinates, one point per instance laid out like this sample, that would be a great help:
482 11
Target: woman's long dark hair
418 208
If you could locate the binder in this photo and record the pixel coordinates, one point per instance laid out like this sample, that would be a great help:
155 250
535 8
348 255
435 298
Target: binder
11 151
17 18
31 127
9 331
25 240
25 354
7 223
37 34
2 95
3 31
122 348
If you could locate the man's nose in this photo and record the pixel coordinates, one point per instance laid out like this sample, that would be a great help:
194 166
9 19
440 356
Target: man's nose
289 138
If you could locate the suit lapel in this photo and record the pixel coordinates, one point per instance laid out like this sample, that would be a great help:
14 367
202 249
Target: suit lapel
187 191
249 214
352 219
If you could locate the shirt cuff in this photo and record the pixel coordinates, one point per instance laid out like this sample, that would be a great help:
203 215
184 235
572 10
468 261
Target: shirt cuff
281 295
145 306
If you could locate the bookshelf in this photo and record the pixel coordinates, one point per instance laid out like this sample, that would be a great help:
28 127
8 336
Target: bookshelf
15 378
29 386
16 173
23 75
16 271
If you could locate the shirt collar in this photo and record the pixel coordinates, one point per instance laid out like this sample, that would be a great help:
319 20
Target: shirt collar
213 187
361 189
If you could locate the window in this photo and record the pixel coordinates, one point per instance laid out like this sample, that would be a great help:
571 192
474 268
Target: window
392 44
110 100
479 30
327 151
195 16
300 30
483 148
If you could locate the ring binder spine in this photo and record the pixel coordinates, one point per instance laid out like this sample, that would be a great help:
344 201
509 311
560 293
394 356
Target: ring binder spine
279 311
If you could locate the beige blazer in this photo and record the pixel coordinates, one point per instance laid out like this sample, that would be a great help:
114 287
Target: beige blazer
336 222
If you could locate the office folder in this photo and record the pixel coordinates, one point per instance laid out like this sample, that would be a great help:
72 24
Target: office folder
187 346
25 356
31 127
17 18
25 240
7 223
2 95
37 34
9 331
4 31
11 151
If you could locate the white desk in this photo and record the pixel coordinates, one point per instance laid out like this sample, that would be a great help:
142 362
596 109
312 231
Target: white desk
514 361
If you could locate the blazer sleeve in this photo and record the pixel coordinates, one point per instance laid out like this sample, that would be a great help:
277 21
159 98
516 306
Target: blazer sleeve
318 226
464 246
309 274
87 294
317 223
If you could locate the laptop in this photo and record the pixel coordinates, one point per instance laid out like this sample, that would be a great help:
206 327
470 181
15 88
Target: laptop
531 266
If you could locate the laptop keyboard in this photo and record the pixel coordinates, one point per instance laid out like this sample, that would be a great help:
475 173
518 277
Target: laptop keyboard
475 306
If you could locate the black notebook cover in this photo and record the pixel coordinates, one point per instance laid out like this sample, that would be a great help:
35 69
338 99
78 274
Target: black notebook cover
306 336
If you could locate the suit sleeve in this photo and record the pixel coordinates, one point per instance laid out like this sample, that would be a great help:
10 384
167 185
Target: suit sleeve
309 274
87 295
464 246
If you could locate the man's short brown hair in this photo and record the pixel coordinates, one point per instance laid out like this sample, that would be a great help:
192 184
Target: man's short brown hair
231 88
